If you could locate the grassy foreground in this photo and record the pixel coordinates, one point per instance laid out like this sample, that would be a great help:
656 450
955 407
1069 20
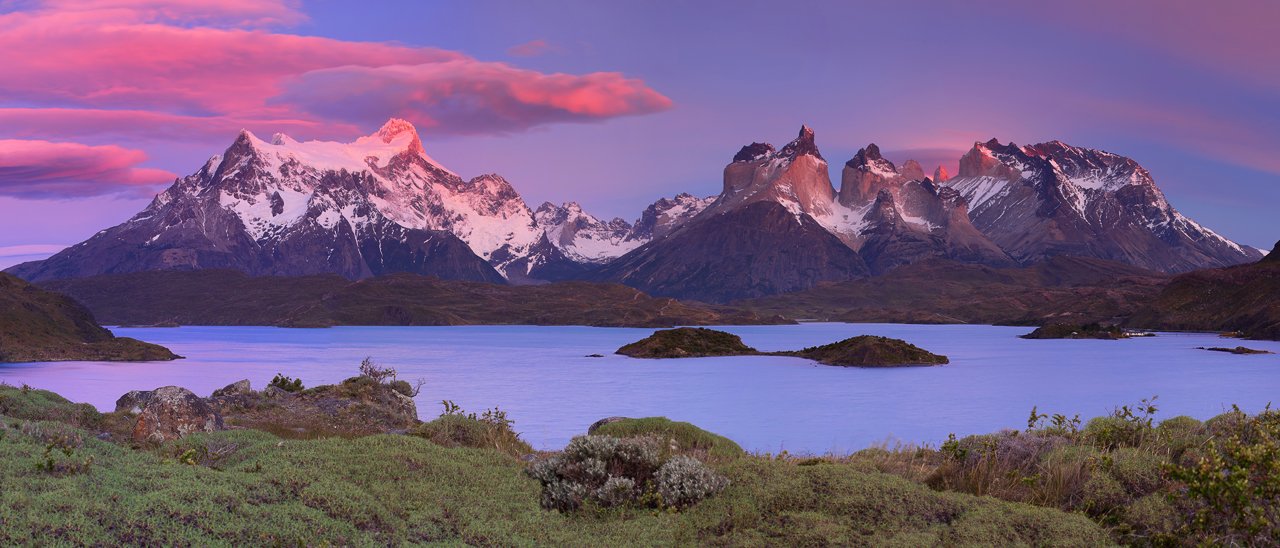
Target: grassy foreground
466 479
63 485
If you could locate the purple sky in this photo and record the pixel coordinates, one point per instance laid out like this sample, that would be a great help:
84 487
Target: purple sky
616 104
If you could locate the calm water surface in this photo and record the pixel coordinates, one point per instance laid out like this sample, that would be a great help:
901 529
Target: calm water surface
543 379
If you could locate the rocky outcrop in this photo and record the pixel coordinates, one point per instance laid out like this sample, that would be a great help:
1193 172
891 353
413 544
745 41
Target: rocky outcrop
795 177
238 388
172 412
357 406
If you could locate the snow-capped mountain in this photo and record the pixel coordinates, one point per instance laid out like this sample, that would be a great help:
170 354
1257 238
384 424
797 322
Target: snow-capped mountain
1056 199
581 236
380 204
288 207
281 207
889 215
585 238
906 217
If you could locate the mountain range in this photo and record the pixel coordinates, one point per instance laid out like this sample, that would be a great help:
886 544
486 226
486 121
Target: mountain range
381 205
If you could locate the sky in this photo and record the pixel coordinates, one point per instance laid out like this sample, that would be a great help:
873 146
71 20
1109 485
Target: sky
616 104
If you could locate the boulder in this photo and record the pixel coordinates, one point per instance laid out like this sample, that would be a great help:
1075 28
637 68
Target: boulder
173 412
273 392
133 402
238 388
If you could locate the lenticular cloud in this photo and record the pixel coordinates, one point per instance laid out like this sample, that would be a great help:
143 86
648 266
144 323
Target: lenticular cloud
41 169
194 63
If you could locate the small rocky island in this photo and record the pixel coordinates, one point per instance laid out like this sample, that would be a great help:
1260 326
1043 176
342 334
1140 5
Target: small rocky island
1236 350
860 351
1086 331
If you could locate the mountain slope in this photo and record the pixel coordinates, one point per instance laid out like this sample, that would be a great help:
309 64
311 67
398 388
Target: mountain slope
1244 298
39 325
1051 199
225 297
761 248
1062 289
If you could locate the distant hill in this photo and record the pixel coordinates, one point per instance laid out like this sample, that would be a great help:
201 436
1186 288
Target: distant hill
39 325
1243 298
225 297
1060 289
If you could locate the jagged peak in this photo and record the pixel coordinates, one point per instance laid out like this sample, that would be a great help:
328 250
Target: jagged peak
802 145
940 175
753 152
868 158
912 171
395 128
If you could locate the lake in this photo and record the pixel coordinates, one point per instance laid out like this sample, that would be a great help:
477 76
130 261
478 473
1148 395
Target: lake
543 379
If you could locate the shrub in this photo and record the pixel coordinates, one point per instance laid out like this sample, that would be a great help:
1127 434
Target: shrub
1233 491
288 384
490 431
610 471
386 375
684 481
376 372
681 436
1139 471
1179 435
1112 432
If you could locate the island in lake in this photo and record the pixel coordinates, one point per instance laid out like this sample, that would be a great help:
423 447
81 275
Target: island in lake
860 351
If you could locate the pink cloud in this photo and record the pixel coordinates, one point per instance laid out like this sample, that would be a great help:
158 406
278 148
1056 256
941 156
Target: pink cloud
468 96
37 169
70 123
156 63
531 48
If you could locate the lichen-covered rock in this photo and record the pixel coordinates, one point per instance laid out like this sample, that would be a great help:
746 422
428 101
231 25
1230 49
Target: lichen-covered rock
173 412
133 401
238 388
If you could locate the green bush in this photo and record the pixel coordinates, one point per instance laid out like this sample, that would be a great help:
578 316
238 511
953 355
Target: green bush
1139 471
1180 436
484 432
1233 491
1112 432
288 384
678 436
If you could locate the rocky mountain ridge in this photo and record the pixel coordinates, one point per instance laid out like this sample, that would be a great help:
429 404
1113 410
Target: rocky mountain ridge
381 205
